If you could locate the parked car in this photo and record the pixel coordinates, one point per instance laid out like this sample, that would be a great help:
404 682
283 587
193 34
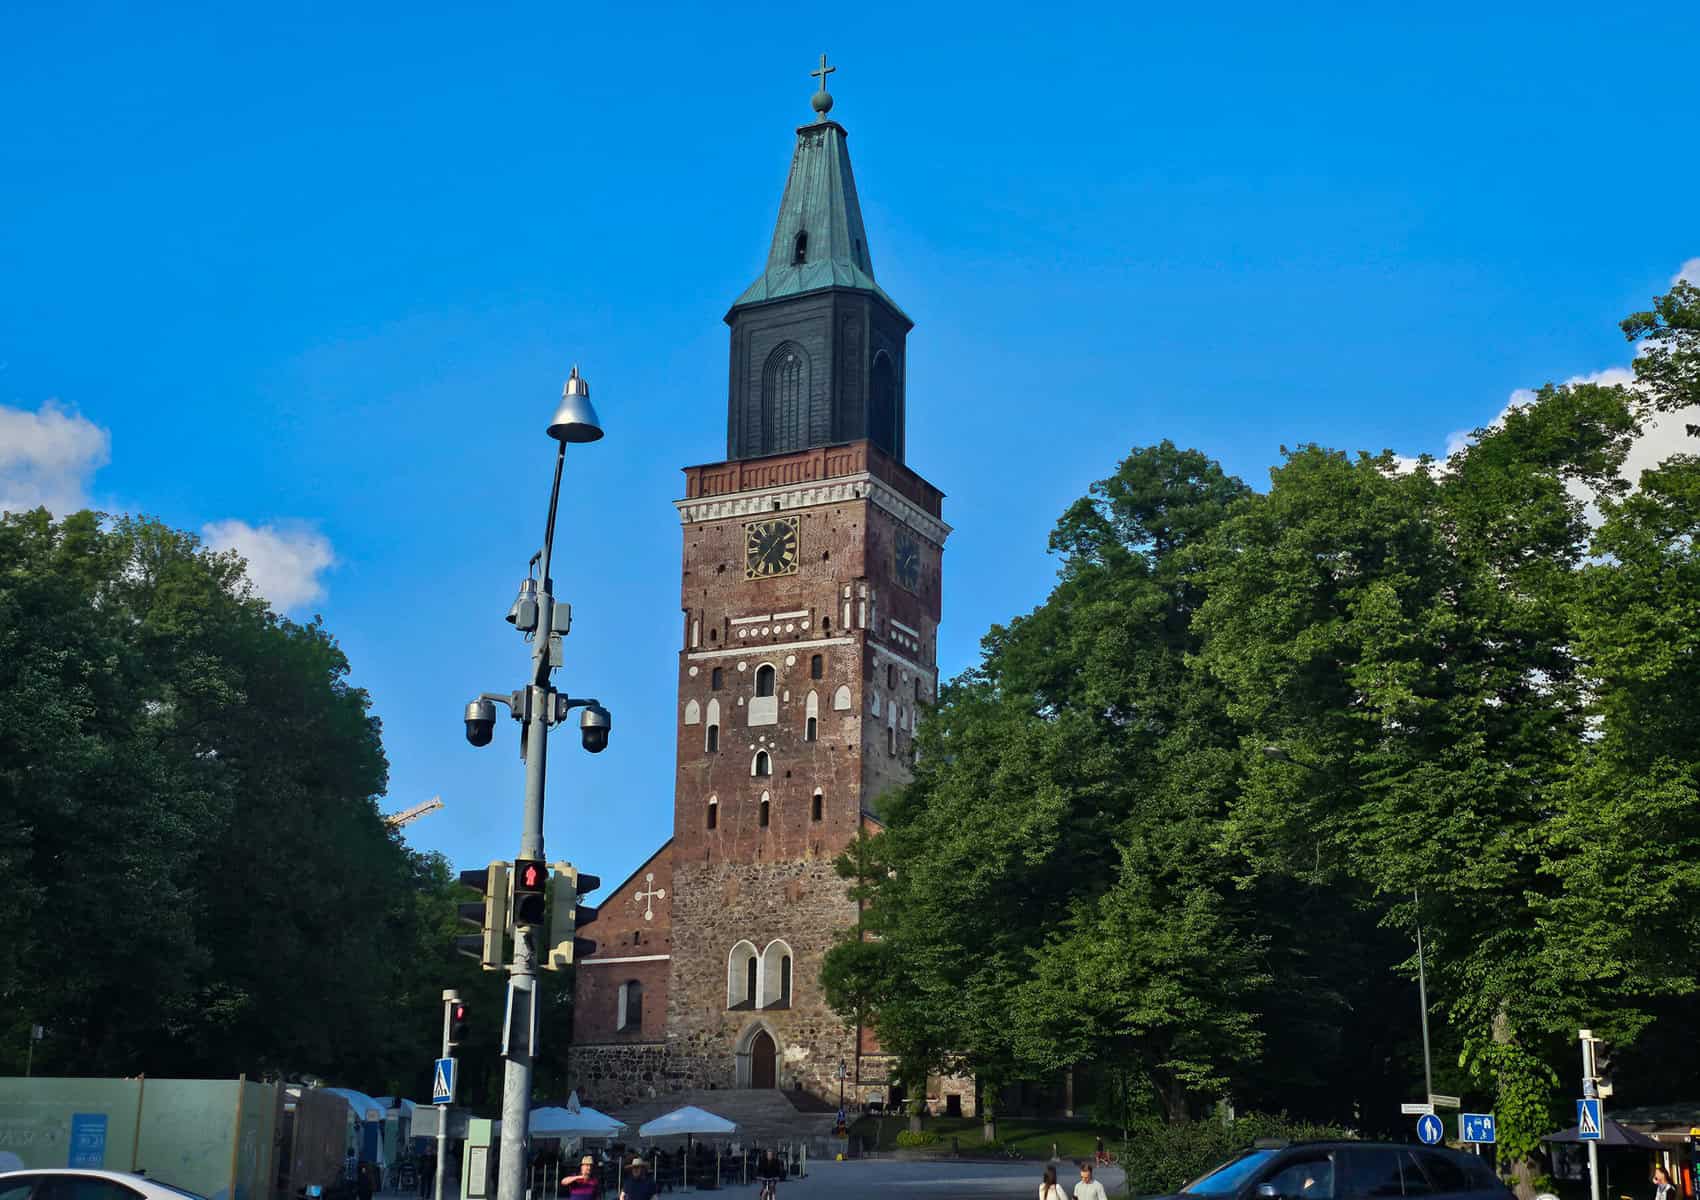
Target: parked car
1347 1171
60 1183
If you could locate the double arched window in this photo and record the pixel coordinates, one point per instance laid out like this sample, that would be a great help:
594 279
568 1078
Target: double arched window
759 979
784 397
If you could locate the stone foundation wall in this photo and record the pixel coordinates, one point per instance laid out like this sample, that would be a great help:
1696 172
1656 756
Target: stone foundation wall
610 1076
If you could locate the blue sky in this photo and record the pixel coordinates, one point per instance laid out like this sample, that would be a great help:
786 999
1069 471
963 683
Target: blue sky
308 278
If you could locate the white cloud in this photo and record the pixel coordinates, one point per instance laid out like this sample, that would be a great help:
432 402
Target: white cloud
284 560
1662 435
48 457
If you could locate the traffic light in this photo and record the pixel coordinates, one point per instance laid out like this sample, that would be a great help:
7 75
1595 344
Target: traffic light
531 892
1603 1067
457 1022
566 885
489 916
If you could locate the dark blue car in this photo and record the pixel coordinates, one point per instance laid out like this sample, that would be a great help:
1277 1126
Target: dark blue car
1348 1171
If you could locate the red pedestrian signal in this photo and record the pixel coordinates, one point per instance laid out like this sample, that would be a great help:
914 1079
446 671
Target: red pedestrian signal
457 1022
531 891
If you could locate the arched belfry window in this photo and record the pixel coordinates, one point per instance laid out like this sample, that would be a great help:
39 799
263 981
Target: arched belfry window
800 248
882 406
764 680
784 395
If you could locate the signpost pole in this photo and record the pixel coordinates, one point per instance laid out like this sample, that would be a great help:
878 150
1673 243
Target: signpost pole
449 997
1590 1089
1422 998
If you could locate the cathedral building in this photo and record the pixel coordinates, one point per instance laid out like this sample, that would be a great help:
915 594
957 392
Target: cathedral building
812 558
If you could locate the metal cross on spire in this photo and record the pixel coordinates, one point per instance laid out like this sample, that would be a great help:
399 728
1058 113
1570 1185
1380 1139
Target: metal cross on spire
822 101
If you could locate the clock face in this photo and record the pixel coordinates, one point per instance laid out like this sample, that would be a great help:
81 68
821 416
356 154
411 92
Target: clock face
907 561
770 548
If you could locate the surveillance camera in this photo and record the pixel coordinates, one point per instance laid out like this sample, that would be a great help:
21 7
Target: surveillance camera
593 725
480 722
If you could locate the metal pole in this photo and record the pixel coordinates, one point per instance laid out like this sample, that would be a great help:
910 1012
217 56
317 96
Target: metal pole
29 1056
1590 1089
522 974
449 998
1422 999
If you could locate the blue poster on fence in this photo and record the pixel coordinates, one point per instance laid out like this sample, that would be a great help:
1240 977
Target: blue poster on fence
88 1140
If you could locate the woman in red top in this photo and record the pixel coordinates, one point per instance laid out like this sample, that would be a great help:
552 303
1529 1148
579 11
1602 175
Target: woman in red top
583 1186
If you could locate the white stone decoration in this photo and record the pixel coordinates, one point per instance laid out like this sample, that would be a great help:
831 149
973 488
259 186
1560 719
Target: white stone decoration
790 660
841 698
693 712
649 897
693 672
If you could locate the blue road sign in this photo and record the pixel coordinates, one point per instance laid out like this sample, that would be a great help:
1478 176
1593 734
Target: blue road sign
1588 1120
443 1082
1429 1129
88 1140
1476 1127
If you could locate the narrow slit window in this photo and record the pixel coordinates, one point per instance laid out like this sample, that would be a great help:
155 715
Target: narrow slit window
713 742
817 667
815 807
766 811
800 248
811 729
714 814
715 679
890 676
764 764
764 680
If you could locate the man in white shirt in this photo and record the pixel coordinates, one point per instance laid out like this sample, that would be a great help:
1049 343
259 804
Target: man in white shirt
1088 1188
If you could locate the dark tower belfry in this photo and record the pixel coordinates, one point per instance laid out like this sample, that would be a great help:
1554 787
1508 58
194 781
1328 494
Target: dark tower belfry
817 346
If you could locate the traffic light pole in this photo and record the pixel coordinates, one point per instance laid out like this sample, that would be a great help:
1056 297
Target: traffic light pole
449 998
518 1036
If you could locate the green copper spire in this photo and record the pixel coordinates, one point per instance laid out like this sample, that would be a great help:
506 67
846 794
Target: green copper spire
818 240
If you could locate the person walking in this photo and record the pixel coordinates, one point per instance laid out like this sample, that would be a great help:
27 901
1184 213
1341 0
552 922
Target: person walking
1049 1188
363 1181
638 1185
1088 1188
1663 1188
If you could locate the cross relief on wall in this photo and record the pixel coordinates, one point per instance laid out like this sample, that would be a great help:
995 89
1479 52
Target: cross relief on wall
650 896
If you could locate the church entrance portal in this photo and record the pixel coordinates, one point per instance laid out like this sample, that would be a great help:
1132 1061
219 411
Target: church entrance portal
762 1067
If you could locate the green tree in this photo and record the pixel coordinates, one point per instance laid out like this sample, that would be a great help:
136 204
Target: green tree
199 880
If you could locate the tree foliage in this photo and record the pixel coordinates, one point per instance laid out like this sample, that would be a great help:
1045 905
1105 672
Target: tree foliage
1476 677
198 877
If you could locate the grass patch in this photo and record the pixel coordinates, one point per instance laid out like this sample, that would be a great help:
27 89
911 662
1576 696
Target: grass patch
1028 1137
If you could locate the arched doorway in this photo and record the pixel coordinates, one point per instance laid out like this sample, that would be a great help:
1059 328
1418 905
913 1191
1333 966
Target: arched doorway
763 1068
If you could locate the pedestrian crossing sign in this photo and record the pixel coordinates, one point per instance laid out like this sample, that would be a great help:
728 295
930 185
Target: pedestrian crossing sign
1588 1120
443 1082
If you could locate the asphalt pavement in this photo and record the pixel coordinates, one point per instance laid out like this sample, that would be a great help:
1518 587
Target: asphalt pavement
930 1180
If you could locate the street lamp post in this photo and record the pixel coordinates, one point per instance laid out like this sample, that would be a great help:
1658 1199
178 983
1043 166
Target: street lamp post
537 706
1279 754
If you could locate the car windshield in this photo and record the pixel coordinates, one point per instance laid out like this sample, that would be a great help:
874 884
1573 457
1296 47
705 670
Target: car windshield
1230 1176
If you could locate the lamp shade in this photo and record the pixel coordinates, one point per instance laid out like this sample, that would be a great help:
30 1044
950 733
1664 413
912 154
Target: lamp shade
575 420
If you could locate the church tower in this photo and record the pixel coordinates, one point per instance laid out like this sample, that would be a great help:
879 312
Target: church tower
810 590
